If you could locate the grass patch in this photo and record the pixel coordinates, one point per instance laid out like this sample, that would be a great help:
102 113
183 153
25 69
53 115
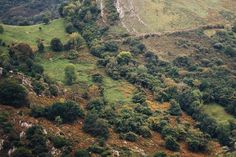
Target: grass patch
54 68
217 112
30 34
117 91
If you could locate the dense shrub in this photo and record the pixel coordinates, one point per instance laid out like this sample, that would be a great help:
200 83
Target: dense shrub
53 89
95 126
38 87
70 28
37 140
56 44
22 152
139 97
171 144
174 109
1 29
160 154
12 93
59 142
129 136
70 74
97 78
68 112
96 104
82 153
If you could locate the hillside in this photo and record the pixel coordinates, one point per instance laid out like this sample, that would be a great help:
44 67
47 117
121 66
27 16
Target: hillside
27 12
119 78
145 16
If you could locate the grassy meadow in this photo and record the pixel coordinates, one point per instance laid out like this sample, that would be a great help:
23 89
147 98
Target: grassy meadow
218 113
30 34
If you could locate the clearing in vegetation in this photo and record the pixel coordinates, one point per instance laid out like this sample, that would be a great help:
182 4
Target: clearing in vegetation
30 34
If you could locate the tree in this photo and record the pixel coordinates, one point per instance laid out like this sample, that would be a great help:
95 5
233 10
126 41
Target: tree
12 93
96 126
124 57
22 152
1 29
172 144
70 28
160 154
68 112
234 27
46 20
174 109
82 153
40 46
139 98
70 75
75 40
56 45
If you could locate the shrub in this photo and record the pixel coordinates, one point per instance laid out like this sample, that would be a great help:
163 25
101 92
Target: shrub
174 109
139 98
111 46
56 45
68 111
160 154
70 28
82 153
144 131
171 144
95 126
12 93
124 57
234 28
1 29
53 89
59 142
70 75
97 78
38 87
22 152
130 136
40 46
96 104
37 69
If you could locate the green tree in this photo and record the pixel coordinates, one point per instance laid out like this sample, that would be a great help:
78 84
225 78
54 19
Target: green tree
56 45
40 46
12 93
171 144
160 154
124 57
139 97
1 29
82 153
70 75
174 109
22 152
96 126
46 20
70 28
234 27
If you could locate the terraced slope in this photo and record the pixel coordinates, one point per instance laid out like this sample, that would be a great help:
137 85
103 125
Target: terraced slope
144 16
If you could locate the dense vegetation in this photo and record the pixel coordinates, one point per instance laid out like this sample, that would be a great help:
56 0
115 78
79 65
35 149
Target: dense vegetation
27 12
187 84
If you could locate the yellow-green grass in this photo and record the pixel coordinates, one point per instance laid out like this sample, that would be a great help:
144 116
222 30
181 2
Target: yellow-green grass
30 34
171 15
55 67
113 92
217 112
